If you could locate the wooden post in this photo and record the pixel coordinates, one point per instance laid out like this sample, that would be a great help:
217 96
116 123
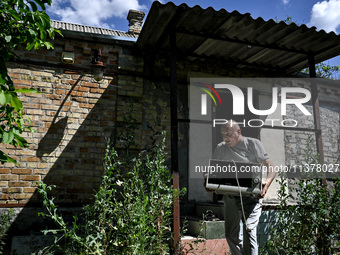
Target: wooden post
174 139
316 108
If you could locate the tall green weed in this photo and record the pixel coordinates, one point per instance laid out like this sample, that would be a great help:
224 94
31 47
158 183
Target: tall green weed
309 223
131 213
132 209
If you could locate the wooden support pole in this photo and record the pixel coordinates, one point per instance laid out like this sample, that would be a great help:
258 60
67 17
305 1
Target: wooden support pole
174 139
316 107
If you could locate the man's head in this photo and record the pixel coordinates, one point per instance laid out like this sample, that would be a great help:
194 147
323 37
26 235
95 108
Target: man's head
231 133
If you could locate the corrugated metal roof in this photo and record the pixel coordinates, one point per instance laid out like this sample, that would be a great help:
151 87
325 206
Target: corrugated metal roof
64 26
236 37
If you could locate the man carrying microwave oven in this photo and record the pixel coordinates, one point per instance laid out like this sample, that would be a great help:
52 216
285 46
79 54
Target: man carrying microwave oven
238 148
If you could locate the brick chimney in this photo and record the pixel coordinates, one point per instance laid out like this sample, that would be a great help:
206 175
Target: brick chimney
135 19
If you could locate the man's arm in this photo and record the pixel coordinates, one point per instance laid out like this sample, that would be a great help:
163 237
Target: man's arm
270 176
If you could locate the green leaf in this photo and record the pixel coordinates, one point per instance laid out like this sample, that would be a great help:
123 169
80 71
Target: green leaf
36 45
16 16
21 4
5 97
32 32
41 4
2 98
8 137
47 20
4 158
21 141
8 38
39 23
58 32
2 80
8 96
16 131
27 90
43 35
49 45
16 103
33 6
30 46
29 122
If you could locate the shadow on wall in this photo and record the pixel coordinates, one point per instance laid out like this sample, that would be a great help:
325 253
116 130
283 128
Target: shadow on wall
72 149
52 138
56 131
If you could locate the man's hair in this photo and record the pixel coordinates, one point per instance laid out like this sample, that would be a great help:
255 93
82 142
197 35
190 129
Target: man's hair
231 124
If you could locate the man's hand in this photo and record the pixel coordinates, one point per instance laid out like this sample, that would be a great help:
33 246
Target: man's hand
265 187
270 176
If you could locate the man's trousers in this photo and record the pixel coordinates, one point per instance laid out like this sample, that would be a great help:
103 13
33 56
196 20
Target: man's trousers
241 237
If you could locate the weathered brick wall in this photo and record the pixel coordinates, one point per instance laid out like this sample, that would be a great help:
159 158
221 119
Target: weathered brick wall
73 117
297 143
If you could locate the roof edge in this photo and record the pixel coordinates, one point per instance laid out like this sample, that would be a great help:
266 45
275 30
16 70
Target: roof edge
73 28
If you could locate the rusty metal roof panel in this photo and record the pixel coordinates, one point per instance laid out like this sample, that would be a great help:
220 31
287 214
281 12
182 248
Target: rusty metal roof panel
65 26
234 36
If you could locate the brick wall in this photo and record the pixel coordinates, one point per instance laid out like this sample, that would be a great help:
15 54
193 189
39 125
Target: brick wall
297 143
73 117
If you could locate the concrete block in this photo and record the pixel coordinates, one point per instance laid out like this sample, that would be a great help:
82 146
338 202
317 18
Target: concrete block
206 229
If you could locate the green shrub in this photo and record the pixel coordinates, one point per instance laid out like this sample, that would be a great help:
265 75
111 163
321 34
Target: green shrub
310 222
131 212
309 226
5 219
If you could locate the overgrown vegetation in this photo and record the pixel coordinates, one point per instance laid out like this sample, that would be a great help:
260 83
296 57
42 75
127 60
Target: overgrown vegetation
132 210
326 71
5 220
22 24
308 223
311 226
193 246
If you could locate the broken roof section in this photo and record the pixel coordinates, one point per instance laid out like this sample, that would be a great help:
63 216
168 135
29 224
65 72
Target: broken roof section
236 38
